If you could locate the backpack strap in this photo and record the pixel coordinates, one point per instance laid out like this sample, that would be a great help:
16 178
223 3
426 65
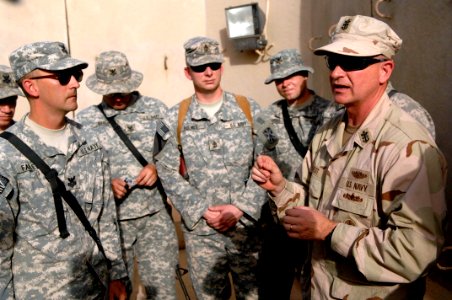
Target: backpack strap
242 102
183 109
244 105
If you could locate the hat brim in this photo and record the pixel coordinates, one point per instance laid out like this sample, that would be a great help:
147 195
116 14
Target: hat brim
119 86
349 48
206 59
281 75
64 64
8 92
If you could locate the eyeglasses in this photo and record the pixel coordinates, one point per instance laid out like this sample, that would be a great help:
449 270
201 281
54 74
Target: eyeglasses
350 63
63 77
202 68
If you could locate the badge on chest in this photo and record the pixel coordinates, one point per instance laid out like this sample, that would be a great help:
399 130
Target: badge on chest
214 145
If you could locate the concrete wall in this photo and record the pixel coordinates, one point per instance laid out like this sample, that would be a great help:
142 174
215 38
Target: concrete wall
152 32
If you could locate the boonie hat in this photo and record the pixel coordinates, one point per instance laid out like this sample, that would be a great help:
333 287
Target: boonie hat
286 63
362 36
202 50
113 74
49 56
8 86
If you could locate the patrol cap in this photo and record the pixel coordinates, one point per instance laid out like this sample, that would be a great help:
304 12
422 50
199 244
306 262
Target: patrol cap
8 86
113 74
286 63
362 36
49 56
202 50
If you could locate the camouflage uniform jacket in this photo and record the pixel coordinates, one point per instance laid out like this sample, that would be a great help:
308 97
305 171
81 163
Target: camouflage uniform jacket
306 119
138 121
412 107
218 154
385 188
35 261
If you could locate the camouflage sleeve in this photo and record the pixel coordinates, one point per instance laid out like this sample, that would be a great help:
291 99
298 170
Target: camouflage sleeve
252 200
265 135
188 200
109 230
293 195
7 225
253 197
413 199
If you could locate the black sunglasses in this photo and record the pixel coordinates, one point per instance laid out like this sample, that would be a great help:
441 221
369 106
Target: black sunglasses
202 68
63 77
350 63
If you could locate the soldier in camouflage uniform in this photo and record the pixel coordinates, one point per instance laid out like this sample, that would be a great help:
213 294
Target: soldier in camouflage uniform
147 231
36 263
9 92
373 177
307 112
219 203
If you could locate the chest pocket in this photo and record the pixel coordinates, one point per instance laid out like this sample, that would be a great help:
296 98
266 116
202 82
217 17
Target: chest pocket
37 200
237 142
355 196
87 181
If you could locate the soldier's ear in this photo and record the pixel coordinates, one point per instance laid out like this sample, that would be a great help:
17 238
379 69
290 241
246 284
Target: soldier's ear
386 70
30 87
187 73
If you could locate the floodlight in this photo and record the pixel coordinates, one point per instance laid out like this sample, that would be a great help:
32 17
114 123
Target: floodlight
244 26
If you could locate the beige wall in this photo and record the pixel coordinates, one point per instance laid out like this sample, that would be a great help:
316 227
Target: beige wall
246 72
152 32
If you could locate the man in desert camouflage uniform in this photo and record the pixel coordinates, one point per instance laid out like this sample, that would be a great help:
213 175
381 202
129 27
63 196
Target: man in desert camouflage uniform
36 262
307 111
147 231
373 177
9 92
219 203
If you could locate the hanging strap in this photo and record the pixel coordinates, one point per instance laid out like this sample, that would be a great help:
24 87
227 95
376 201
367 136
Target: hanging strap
135 152
124 137
58 190
291 131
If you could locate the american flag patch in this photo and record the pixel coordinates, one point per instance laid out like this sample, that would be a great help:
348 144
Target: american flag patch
3 183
